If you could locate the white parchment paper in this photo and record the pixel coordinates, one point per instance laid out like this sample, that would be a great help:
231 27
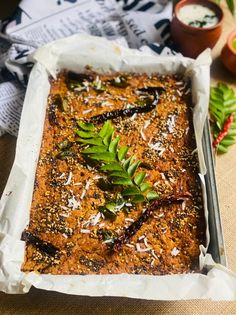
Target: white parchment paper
74 53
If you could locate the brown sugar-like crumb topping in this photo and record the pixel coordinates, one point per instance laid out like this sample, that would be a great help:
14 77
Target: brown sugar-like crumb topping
68 233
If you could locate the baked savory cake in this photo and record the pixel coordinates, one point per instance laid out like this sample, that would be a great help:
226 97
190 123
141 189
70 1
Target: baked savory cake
116 187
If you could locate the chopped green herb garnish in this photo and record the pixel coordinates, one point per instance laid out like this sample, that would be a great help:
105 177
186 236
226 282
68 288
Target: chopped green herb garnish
65 144
99 87
120 82
65 155
207 20
144 102
106 235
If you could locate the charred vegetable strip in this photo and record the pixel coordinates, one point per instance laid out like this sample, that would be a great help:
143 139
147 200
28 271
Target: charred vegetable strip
120 82
122 113
128 112
52 117
134 227
58 102
76 80
45 247
227 124
79 77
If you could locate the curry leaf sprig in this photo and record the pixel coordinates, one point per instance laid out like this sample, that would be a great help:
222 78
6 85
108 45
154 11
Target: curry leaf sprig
223 116
103 147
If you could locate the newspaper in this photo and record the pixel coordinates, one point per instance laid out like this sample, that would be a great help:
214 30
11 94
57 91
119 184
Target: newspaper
12 97
138 24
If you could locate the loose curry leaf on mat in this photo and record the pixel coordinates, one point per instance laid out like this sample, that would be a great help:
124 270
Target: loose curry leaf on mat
223 116
103 147
230 5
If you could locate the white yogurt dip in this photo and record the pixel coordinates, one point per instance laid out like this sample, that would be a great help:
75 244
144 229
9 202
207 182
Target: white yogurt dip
197 15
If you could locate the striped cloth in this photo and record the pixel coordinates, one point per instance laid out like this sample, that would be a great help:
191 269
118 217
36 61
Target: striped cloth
139 24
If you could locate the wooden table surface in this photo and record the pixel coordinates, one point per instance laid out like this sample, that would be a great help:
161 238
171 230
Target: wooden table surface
41 302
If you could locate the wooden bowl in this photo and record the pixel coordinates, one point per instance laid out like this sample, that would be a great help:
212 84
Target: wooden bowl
193 40
228 53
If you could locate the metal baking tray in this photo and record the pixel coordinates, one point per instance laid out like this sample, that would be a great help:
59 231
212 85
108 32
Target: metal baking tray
216 247
29 137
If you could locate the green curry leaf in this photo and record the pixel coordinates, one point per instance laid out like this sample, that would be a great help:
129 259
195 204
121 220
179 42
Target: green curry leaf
103 147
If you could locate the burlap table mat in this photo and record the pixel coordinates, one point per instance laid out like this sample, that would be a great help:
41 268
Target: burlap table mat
45 303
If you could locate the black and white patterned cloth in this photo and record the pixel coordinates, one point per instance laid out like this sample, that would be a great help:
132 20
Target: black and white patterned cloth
140 24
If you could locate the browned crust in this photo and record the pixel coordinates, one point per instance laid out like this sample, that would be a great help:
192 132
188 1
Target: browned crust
173 233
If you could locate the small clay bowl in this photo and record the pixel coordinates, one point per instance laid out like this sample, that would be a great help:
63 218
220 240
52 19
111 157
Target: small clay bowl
193 40
228 53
